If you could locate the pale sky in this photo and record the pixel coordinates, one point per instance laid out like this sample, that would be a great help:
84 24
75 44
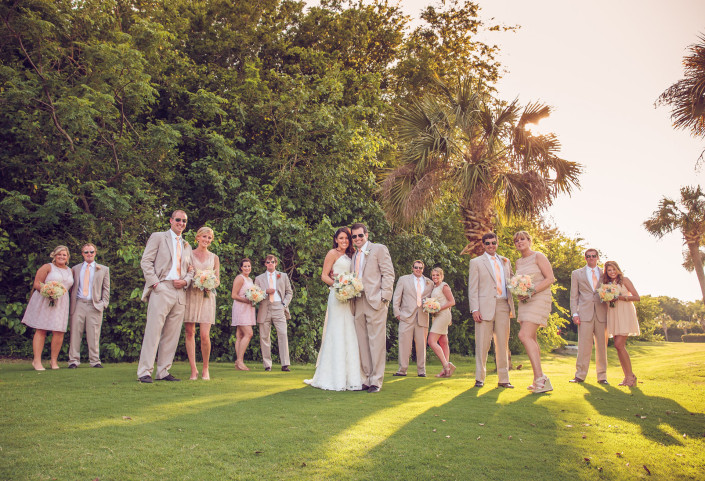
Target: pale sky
601 65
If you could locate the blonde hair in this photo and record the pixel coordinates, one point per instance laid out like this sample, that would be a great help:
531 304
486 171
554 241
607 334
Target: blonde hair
58 249
439 270
524 234
205 229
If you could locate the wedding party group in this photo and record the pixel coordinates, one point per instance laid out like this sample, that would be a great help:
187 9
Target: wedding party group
181 282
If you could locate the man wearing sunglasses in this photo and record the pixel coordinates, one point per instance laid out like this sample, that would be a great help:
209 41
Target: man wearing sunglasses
274 309
410 292
165 264
372 264
590 315
90 295
492 307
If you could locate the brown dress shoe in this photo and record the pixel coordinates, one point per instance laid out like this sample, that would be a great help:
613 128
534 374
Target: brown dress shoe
508 385
577 380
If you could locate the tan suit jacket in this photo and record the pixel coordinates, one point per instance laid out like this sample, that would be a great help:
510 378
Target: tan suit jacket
404 302
157 259
583 300
482 287
377 275
100 297
283 286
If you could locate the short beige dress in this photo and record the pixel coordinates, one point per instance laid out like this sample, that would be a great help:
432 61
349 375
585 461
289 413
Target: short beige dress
441 320
200 308
40 314
538 307
622 319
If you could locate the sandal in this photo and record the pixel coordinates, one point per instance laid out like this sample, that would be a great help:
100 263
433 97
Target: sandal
542 384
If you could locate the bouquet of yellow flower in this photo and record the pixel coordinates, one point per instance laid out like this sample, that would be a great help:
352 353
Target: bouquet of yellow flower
52 290
347 286
431 305
608 293
255 294
521 285
206 280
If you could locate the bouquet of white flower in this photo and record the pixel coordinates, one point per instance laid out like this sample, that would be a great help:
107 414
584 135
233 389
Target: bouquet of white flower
347 286
255 294
431 305
52 290
521 285
608 293
206 280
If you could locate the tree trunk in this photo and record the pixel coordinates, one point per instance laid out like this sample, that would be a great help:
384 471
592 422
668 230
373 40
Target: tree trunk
694 248
477 221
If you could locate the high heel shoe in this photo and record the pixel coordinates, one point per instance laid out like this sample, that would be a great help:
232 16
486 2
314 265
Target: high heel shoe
628 381
542 384
451 369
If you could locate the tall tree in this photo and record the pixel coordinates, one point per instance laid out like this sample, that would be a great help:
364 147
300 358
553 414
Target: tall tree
687 96
687 216
466 143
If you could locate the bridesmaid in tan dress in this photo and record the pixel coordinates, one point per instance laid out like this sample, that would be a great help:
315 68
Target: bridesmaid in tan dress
534 311
438 335
43 316
243 313
199 308
622 321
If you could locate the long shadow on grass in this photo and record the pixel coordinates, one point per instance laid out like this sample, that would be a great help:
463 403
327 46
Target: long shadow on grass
653 414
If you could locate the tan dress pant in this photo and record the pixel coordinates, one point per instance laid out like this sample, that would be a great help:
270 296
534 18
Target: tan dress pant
497 329
589 332
409 331
276 316
371 330
165 315
85 317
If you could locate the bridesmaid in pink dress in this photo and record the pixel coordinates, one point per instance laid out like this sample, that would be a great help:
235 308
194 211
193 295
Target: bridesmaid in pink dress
44 317
200 308
243 313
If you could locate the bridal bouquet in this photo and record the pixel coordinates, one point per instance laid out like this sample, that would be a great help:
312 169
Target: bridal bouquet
52 290
431 305
347 286
521 285
608 293
255 294
206 280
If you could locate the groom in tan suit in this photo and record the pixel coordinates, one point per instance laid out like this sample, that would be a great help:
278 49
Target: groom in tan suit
491 307
372 264
411 290
274 309
165 264
90 295
590 315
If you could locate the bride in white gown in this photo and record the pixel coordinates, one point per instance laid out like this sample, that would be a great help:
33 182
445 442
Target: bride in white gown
338 366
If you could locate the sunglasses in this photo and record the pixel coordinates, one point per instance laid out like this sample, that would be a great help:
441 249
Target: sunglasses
590 256
177 219
416 268
89 252
493 243
270 262
355 236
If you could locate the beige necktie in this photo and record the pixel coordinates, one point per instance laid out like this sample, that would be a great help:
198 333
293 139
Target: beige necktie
418 292
178 256
358 258
86 280
271 286
498 276
594 280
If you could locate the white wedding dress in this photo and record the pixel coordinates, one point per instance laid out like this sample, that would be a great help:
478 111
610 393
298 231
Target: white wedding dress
338 366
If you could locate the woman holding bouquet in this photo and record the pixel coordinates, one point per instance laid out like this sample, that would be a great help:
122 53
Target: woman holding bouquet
200 301
243 313
48 307
438 335
338 366
622 321
535 309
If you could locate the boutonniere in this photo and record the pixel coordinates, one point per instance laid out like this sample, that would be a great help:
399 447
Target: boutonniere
279 275
366 252
505 260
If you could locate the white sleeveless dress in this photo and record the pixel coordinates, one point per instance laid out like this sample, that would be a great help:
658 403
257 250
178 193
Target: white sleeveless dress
338 366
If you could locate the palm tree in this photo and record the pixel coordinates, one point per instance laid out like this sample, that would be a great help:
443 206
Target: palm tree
687 216
463 142
687 96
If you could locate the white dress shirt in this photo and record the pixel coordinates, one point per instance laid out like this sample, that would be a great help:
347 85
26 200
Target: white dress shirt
502 281
173 273
272 276
85 266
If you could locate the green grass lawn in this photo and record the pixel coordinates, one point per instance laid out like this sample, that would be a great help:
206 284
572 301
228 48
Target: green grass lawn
88 423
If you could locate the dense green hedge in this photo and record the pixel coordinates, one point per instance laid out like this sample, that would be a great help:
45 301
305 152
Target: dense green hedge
693 338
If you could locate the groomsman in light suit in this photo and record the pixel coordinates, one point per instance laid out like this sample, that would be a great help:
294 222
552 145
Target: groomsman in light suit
590 315
274 309
411 290
90 295
165 264
372 264
491 307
